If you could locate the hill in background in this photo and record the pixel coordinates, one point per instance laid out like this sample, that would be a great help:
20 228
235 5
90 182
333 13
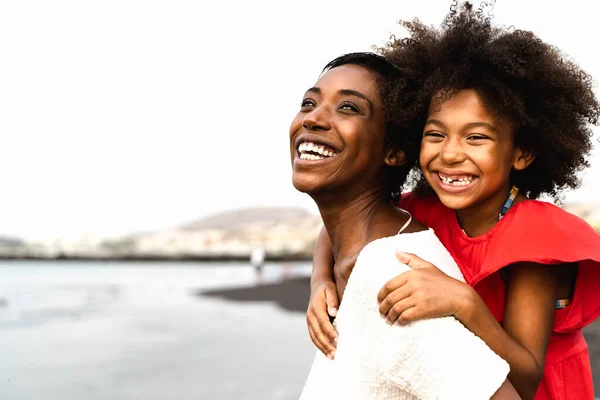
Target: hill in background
283 232
239 217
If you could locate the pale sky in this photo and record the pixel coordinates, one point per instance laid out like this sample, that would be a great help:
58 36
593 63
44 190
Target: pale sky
120 116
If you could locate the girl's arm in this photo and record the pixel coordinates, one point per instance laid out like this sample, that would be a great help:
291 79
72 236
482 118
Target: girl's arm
323 297
528 320
426 292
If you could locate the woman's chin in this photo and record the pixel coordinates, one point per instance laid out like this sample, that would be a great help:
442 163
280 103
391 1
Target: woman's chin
303 185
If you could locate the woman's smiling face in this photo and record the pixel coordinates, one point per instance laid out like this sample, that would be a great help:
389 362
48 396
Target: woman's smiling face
339 132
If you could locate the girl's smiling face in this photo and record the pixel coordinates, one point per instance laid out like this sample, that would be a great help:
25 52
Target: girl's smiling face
467 153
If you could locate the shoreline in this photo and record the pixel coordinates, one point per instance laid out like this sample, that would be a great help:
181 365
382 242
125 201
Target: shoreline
158 258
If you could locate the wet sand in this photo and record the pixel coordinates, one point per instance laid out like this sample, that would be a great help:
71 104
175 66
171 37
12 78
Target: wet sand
290 295
592 336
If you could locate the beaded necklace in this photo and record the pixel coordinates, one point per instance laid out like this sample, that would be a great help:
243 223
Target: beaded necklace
513 194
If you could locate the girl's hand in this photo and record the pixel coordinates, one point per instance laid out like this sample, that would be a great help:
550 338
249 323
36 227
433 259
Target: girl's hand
422 293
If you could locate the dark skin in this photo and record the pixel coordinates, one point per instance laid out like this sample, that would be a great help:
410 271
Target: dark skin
342 114
349 187
484 157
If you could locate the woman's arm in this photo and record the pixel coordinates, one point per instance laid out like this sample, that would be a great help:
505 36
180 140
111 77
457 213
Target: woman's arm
323 302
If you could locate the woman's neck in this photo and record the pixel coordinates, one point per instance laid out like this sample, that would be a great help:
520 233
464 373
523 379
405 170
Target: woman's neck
352 224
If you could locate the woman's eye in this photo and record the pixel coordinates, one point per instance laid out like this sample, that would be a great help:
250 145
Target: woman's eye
307 103
349 107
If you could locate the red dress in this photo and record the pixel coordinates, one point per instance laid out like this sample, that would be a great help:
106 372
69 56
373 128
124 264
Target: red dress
537 232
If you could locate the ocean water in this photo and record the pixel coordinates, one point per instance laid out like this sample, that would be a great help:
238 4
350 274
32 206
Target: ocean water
128 331
76 330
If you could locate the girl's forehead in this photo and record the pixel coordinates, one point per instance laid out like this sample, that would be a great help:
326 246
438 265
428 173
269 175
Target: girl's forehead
466 103
464 107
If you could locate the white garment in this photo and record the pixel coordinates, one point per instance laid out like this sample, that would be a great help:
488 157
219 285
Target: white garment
430 359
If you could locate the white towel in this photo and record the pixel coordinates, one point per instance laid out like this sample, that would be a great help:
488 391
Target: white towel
428 360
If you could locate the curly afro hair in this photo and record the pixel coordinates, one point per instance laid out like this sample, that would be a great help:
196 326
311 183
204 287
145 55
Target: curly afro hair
398 94
545 95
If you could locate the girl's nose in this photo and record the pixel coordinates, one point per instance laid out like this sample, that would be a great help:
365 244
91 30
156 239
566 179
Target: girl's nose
452 152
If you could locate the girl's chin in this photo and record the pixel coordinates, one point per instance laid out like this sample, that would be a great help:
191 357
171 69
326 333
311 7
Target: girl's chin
454 200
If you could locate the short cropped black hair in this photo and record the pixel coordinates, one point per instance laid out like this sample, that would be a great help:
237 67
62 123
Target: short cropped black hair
403 129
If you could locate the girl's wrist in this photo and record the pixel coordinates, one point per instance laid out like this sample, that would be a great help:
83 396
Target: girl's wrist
466 305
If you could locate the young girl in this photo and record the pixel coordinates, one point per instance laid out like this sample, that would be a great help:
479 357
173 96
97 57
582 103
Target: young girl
349 157
508 120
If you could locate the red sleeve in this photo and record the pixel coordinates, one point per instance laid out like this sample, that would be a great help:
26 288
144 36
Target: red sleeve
535 231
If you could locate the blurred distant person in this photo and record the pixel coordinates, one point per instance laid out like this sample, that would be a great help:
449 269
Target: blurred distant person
257 260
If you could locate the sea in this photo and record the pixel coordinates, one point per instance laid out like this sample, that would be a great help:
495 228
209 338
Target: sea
144 330
72 330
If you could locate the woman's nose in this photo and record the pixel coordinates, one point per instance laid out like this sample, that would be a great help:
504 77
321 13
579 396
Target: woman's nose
317 119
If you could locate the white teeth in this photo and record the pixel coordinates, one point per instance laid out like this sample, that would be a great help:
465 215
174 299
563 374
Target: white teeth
456 182
312 157
307 151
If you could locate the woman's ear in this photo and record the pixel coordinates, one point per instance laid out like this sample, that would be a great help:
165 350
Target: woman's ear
523 158
394 157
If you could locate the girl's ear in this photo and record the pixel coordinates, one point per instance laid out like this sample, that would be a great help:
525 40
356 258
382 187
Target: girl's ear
523 158
394 157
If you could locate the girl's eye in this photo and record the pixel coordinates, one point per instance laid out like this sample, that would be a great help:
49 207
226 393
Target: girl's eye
434 135
307 103
349 107
477 137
